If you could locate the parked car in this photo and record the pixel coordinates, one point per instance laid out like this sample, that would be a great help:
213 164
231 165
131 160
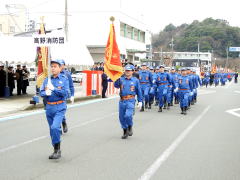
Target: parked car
77 76
33 74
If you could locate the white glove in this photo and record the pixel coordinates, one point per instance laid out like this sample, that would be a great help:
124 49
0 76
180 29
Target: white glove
50 86
176 90
154 81
191 93
140 105
48 92
194 90
72 99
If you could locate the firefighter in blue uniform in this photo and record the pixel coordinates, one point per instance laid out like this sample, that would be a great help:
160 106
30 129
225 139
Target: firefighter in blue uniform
174 95
145 79
162 80
155 85
129 88
54 91
190 95
152 89
197 83
184 88
70 94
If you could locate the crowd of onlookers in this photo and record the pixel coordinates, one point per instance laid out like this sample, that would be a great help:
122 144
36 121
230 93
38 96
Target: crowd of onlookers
11 76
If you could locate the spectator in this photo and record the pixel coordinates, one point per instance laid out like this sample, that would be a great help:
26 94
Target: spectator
11 80
104 84
19 77
26 74
2 80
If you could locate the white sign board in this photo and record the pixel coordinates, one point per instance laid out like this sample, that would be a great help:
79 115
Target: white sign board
48 40
234 49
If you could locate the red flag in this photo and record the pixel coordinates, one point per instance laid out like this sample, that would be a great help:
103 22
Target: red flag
112 66
42 55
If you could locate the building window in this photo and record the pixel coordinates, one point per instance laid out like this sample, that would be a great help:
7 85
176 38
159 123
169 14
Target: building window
142 36
12 29
129 32
135 34
122 29
1 27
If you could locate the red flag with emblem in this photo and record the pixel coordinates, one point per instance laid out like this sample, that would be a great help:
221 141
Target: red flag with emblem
112 63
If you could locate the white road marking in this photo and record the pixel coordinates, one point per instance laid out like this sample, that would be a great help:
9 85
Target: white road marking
206 92
42 111
233 112
46 136
164 156
237 91
229 84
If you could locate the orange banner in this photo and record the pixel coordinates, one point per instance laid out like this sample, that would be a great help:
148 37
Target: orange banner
112 66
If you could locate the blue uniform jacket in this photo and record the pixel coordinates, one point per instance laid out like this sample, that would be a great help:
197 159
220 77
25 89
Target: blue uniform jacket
70 82
185 83
145 77
60 89
129 87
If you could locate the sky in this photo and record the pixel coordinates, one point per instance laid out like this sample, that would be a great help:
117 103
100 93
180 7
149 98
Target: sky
156 14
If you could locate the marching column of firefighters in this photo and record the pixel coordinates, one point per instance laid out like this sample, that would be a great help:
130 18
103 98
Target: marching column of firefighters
163 85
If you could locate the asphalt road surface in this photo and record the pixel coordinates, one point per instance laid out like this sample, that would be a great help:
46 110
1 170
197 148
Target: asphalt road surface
203 145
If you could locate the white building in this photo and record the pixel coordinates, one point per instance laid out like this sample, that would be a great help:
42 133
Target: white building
132 35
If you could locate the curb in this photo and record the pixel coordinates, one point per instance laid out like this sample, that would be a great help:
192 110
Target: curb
77 99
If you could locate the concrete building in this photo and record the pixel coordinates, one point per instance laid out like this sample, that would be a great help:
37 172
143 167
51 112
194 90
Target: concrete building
132 36
13 23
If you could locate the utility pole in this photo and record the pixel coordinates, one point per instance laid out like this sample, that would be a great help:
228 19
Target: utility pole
66 20
227 58
171 61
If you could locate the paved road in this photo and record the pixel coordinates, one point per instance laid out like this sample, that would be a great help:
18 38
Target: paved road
204 145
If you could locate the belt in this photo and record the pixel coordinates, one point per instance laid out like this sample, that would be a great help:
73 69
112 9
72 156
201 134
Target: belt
184 89
54 103
162 83
127 97
143 82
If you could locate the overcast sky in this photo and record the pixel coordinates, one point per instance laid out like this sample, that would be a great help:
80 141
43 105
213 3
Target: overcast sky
155 13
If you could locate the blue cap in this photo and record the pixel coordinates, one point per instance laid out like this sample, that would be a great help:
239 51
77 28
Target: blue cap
188 68
151 68
144 64
173 68
129 68
162 66
56 61
157 67
62 62
183 69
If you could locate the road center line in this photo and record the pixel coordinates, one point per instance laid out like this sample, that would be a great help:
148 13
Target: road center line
233 112
165 155
46 136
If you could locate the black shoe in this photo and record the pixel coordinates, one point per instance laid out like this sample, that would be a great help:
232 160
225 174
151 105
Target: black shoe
130 131
65 127
146 105
57 152
142 109
125 134
192 103
182 110
160 109
171 104
185 110
156 104
168 106
150 106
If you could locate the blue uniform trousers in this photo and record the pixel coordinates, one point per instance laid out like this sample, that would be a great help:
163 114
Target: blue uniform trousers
126 111
55 114
145 91
162 94
183 98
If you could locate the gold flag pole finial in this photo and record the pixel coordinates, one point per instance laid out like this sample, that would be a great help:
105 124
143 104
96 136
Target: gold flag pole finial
112 19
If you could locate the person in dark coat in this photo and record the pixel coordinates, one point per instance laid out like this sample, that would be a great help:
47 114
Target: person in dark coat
104 84
2 80
11 80
26 74
19 77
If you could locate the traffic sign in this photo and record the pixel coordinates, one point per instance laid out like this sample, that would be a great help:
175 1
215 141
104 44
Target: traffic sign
234 49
